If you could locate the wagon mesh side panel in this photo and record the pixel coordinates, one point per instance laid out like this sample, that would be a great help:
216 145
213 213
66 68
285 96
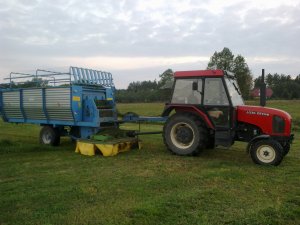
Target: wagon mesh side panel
58 104
11 105
33 104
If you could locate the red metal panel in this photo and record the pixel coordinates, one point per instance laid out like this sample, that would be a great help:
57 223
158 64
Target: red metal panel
262 117
199 73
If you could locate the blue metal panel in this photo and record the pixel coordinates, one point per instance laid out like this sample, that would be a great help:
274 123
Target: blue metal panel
96 81
87 132
104 79
88 76
78 107
76 99
99 74
84 79
110 95
77 73
73 71
83 75
54 122
83 107
90 111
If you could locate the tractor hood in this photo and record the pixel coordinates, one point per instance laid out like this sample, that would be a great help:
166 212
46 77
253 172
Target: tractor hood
271 121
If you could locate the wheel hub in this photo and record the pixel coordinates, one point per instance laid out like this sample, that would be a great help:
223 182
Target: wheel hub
266 153
46 137
184 135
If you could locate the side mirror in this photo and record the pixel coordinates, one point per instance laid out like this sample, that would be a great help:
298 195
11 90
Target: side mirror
195 86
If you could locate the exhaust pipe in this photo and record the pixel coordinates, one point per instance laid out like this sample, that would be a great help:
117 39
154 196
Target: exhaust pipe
263 89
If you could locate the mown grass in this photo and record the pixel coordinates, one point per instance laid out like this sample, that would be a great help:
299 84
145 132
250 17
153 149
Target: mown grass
46 185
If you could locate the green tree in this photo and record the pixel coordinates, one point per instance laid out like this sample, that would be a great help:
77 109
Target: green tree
225 60
283 86
221 60
148 91
243 75
297 79
166 78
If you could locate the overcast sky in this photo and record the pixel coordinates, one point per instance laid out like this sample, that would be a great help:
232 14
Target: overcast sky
138 40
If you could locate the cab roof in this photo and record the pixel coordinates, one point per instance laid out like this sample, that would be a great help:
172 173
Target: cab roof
199 73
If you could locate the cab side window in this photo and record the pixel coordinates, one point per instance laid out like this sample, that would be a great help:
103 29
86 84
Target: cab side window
214 92
184 93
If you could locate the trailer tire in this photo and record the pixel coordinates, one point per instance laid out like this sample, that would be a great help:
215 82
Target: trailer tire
266 152
184 134
50 136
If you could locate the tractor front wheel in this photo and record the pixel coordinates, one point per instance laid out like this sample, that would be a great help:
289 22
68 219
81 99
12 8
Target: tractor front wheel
49 136
286 148
266 152
184 134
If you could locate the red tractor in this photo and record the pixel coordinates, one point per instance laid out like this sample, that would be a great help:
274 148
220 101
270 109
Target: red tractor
209 111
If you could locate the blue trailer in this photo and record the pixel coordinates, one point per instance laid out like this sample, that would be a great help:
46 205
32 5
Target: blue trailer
78 103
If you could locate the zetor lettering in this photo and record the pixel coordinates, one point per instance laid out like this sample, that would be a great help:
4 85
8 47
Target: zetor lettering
258 113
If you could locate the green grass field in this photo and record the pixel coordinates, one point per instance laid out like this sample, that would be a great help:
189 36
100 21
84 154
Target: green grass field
54 185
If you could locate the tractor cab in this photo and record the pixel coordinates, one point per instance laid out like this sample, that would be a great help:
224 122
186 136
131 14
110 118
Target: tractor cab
215 93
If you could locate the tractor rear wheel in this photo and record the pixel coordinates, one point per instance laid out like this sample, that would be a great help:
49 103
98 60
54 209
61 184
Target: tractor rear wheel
184 134
49 136
266 152
210 143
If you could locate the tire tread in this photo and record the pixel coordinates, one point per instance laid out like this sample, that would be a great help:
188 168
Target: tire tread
202 142
277 147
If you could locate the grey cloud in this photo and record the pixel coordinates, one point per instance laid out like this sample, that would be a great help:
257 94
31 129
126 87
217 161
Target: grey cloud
37 30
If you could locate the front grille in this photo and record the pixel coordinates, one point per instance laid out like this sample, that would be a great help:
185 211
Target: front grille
278 124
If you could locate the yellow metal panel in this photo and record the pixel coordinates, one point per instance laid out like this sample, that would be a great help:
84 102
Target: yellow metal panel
85 148
76 98
89 147
106 149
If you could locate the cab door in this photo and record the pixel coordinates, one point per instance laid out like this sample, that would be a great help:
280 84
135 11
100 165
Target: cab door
217 106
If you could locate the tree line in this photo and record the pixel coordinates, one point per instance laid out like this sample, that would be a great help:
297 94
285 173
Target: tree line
34 82
148 91
144 91
283 86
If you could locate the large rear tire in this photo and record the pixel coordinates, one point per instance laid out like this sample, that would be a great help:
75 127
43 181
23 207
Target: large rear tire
267 152
210 143
49 136
184 134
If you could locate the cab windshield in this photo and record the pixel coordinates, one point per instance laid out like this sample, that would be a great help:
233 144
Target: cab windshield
234 92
